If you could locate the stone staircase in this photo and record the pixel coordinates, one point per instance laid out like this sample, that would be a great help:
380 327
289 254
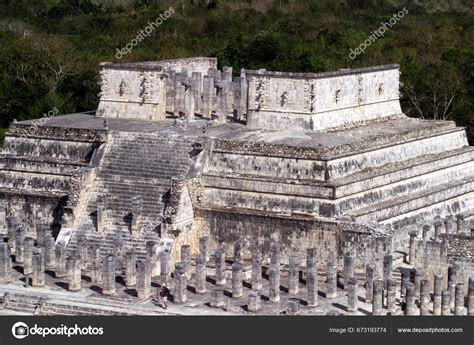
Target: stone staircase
135 166
38 305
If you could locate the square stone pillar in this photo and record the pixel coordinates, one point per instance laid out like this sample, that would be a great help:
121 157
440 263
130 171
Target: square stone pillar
5 264
73 265
96 265
186 260
179 293
60 269
152 256
256 270
38 278
144 279
131 269
108 286
200 275
49 252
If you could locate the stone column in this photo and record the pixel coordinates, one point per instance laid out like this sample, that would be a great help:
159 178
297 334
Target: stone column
452 274
238 247
460 223
256 270
254 301
217 299
180 296
60 270
446 302
143 279
448 224
391 295
19 244
312 286
200 275
42 228
349 262
438 228
96 265
219 257
377 298
237 280
426 232
412 249
188 99
12 228
73 264
207 96
470 297
152 257
459 300
178 94
352 294
438 287
452 291
425 297
5 264
82 250
197 91
28 246
186 260
387 268
275 255
38 278
203 248
274 278
165 268
410 307
405 281
331 278
293 275
221 100
130 269
109 276
369 284
418 278
49 254
311 258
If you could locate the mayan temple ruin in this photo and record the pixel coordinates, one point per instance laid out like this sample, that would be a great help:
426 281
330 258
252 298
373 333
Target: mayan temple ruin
266 193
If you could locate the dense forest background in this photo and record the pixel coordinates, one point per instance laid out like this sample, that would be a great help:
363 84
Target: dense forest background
50 50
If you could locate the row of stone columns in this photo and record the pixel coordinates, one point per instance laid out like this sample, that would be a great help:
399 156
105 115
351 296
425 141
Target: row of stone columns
215 92
139 274
450 225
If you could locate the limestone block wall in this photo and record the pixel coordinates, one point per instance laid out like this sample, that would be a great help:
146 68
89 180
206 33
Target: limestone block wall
319 101
194 64
267 166
437 143
294 233
132 92
432 256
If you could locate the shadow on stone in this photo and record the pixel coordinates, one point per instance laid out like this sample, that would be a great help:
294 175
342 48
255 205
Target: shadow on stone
131 292
62 285
340 306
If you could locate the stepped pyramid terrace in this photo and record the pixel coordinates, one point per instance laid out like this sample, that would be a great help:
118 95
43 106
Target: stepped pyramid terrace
270 192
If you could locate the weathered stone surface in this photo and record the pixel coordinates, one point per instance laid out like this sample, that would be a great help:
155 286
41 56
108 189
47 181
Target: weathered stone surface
282 162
